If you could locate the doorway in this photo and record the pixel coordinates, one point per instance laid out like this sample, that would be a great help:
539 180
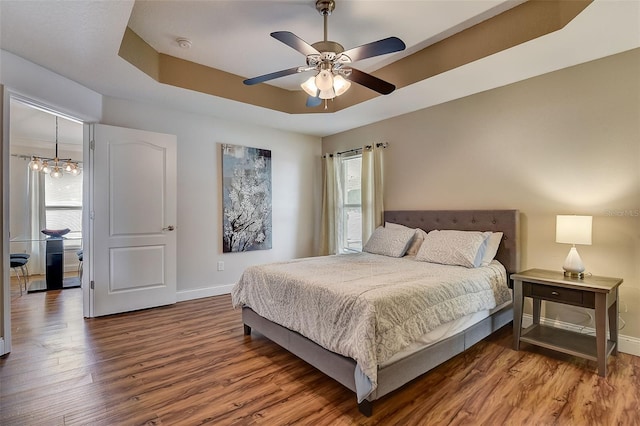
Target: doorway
45 198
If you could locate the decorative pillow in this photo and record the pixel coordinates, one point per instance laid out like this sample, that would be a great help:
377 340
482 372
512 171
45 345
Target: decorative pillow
463 248
493 242
389 242
417 240
416 243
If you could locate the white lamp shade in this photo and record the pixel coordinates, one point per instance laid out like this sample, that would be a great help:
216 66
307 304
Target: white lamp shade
324 80
310 87
327 94
340 84
573 229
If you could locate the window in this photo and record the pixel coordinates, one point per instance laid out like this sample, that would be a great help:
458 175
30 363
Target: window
351 171
63 205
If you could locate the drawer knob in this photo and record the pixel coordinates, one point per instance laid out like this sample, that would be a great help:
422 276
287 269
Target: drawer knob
555 293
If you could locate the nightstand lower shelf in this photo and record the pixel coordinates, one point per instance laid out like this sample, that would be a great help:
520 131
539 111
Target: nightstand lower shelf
565 341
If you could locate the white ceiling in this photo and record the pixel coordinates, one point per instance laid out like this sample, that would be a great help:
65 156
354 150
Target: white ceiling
80 40
34 127
235 38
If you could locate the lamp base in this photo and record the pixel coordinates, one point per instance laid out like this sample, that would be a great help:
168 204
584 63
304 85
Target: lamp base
573 266
574 274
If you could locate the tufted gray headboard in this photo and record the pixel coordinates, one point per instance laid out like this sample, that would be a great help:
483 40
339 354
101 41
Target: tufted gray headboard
506 221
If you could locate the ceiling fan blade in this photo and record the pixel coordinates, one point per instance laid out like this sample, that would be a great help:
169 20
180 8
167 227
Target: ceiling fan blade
292 40
376 48
271 76
313 101
373 83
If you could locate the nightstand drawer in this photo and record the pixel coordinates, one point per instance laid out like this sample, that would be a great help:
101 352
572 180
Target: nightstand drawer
557 294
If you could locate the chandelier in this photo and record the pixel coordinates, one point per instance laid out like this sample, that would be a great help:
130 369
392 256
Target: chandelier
54 166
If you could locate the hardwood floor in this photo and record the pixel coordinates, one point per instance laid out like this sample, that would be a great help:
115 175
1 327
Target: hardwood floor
190 364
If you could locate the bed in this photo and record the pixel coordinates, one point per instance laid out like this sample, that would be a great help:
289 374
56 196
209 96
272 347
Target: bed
384 370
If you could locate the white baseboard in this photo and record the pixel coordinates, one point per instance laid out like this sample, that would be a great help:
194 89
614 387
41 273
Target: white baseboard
2 352
199 293
627 344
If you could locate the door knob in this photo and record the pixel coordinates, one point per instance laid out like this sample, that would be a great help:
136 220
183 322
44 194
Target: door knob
169 228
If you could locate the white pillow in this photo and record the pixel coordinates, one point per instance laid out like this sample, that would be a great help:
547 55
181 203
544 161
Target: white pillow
389 242
392 225
493 242
417 240
462 248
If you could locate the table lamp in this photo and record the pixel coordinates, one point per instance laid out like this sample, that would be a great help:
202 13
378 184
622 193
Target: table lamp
572 229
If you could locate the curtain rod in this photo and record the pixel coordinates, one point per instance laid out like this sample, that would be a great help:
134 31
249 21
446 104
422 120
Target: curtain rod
356 150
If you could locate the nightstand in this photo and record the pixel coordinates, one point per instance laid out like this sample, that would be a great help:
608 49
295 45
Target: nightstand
599 293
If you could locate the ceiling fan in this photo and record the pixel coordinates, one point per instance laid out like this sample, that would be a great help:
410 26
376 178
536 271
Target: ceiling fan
332 63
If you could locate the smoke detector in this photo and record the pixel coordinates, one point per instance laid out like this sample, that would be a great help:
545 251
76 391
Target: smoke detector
184 43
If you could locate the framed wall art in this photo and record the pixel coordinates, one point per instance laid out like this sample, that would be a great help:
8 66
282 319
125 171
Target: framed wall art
246 198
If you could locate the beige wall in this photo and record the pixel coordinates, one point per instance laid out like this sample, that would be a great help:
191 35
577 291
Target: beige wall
563 143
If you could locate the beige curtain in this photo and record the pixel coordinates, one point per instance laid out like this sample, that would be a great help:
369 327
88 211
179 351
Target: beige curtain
331 205
372 186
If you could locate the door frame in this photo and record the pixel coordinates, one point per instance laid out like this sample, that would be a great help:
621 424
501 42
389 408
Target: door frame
87 213
5 292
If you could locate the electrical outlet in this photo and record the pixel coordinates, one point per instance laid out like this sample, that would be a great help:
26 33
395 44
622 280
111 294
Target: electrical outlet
220 265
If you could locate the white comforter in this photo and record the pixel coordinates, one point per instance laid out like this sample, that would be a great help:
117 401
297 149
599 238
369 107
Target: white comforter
365 306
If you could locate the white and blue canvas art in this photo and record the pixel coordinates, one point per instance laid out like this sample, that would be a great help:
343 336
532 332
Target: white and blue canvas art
246 192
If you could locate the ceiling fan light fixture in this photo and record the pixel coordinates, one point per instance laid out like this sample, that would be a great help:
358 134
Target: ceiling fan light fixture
324 80
340 84
325 85
309 86
327 94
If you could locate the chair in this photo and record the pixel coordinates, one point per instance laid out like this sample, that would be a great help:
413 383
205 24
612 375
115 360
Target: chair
19 265
79 254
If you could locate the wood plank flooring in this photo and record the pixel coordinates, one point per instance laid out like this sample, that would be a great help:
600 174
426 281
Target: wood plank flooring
190 364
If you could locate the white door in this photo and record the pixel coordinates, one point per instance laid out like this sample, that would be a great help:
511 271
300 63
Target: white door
133 216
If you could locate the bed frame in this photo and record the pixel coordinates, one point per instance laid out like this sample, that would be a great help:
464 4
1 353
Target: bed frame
394 376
